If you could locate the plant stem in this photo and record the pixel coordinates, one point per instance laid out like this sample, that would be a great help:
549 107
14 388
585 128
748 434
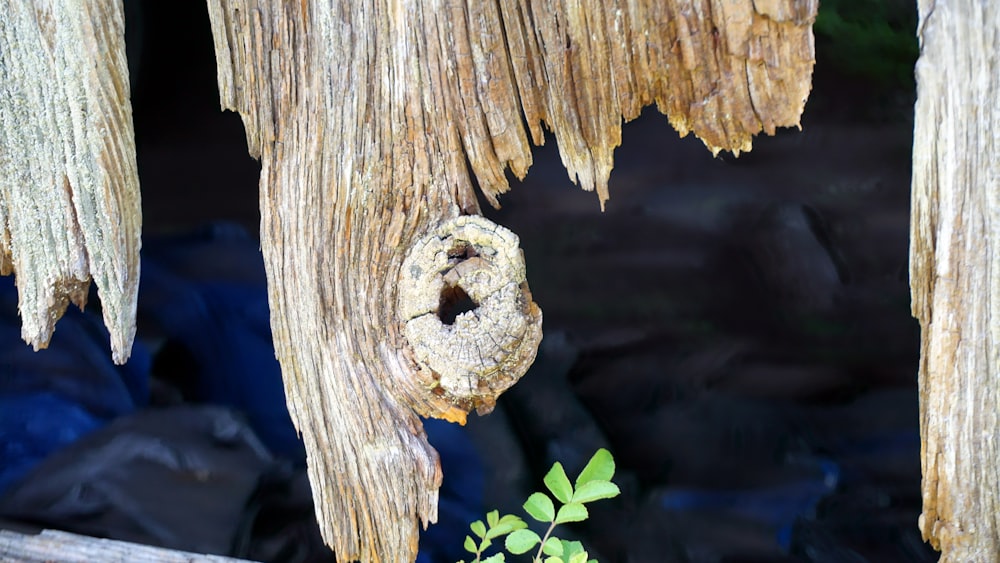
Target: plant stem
541 546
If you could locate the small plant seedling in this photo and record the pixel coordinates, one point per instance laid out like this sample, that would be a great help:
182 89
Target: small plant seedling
593 483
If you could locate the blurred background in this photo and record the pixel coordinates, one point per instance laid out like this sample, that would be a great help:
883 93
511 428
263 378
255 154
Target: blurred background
736 331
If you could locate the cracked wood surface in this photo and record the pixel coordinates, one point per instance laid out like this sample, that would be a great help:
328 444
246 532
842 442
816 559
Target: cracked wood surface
69 189
955 275
368 117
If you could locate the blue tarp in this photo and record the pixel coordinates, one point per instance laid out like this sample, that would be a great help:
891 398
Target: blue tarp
203 298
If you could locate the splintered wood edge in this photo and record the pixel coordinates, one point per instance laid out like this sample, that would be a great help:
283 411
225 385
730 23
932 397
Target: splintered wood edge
69 187
485 350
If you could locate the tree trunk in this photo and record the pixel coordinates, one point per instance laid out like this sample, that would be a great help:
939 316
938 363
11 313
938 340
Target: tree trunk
955 274
367 116
69 190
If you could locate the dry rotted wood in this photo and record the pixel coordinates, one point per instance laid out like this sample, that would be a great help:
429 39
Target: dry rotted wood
51 545
365 114
69 190
955 275
471 354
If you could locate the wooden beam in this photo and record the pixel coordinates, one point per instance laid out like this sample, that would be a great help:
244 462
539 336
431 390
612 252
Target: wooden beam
955 274
52 545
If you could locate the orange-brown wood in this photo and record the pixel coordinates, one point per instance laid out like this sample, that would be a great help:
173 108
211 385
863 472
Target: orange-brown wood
367 117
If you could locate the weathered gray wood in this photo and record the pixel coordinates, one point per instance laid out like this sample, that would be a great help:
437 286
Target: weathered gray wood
955 274
470 357
51 545
69 190
364 115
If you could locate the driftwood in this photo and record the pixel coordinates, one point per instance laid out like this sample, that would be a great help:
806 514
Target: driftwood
51 545
69 190
955 274
367 117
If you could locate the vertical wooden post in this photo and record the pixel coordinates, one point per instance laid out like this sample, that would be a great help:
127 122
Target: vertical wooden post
955 274
365 114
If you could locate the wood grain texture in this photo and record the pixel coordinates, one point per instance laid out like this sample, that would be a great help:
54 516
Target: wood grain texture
469 355
52 545
371 118
955 274
69 189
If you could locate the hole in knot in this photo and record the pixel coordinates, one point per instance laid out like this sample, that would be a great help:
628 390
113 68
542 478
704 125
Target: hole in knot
454 302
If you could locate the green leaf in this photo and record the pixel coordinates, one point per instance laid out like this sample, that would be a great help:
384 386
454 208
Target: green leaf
540 507
492 518
505 526
595 490
470 545
601 467
552 546
558 483
478 528
571 512
513 522
510 518
495 558
553 559
521 541
572 550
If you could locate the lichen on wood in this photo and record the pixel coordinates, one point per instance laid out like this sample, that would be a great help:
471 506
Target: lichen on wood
955 275
469 356
69 189
371 119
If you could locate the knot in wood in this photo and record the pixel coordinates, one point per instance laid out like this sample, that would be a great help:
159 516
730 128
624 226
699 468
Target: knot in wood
467 311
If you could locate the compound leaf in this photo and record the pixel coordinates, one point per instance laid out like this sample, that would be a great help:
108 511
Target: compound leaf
595 490
521 541
571 512
553 546
540 507
601 467
558 483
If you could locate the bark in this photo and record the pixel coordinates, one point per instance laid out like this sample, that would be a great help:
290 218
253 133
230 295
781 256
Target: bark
367 117
69 190
954 269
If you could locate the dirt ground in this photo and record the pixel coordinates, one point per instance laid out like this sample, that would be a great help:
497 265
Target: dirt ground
736 331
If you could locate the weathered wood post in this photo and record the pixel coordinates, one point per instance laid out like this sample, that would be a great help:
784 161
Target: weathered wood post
364 115
69 190
955 274
367 118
